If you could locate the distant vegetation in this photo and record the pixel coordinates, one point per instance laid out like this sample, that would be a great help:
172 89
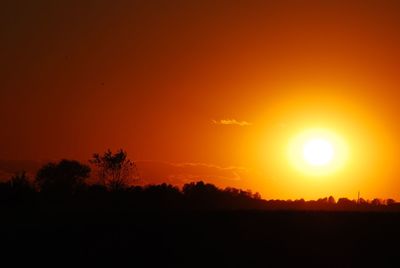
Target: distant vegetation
66 183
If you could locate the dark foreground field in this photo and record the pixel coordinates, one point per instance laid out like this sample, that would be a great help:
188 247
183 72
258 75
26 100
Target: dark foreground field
201 239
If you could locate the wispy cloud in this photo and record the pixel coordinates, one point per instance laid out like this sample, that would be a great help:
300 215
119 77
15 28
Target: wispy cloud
231 122
206 165
181 173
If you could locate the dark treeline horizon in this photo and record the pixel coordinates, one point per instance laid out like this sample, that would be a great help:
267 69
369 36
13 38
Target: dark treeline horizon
61 215
115 183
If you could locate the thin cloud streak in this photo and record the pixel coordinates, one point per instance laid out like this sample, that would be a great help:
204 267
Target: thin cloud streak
231 122
181 173
196 164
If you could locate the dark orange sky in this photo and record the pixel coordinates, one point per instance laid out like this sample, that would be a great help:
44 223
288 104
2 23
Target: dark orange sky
157 78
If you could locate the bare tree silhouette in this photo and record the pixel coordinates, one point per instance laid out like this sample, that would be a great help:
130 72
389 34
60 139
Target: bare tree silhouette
115 171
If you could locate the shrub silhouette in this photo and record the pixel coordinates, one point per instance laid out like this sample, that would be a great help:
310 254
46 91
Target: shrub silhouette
65 177
20 182
17 189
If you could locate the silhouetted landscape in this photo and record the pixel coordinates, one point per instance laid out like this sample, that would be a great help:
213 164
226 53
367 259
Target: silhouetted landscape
59 216
260 133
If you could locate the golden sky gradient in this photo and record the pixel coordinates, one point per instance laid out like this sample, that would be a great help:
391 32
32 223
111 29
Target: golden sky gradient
212 90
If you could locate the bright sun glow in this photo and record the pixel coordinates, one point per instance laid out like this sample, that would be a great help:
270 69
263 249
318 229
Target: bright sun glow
318 152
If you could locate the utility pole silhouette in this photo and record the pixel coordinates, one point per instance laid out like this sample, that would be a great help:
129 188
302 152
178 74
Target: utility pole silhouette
358 199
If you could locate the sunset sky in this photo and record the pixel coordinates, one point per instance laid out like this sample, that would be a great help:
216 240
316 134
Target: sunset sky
210 90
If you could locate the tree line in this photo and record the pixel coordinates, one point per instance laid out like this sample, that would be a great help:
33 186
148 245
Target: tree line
67 182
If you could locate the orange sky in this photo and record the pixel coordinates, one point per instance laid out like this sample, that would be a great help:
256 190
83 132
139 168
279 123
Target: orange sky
157 78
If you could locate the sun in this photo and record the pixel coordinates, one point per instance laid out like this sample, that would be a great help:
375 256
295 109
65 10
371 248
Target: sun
318 152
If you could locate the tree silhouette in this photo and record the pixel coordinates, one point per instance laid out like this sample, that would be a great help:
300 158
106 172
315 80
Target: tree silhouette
376 202
115 171
65 177
18 188
20 181
390 201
